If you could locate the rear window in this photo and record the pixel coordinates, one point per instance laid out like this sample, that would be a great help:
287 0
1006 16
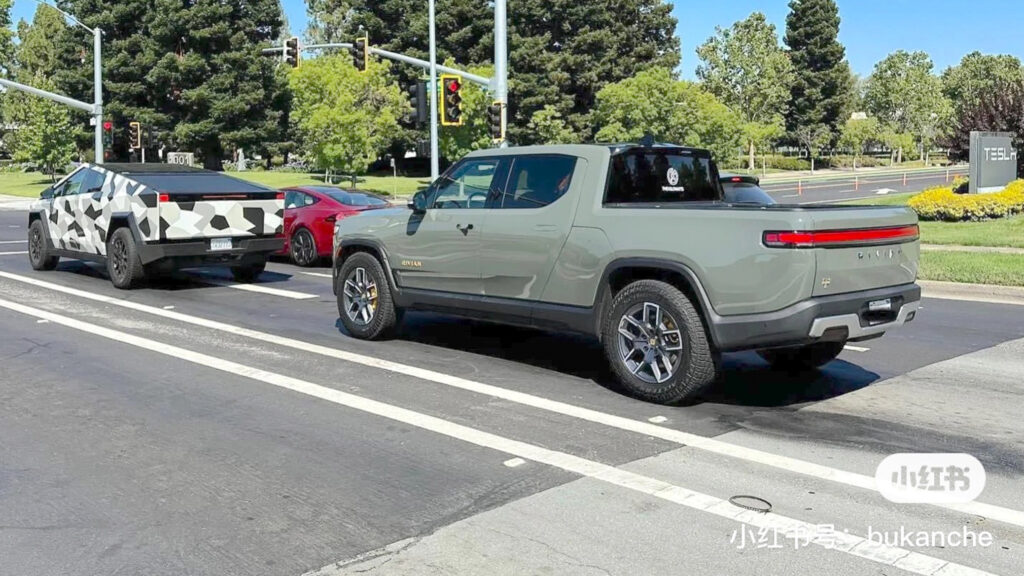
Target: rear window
660 177
355 198
209 183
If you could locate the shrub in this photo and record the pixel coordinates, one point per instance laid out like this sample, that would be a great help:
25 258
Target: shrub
943 204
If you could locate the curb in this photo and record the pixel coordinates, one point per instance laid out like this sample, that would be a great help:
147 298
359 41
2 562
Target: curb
973 292
962 248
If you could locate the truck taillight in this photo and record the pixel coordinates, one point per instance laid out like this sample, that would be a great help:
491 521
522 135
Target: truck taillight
280 195
840 238
165 198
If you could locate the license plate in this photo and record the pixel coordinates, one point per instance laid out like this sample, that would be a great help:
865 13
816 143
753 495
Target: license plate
880 305
220 244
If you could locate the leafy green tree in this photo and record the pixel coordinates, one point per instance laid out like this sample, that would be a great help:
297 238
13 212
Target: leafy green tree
813 137
857 133
821 92
343 118
551 128
43 128
37 50
978 74
746 68
904 94
999 108
897 143
655 102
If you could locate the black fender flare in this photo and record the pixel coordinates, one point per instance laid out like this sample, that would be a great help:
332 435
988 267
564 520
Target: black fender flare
377 247
703 301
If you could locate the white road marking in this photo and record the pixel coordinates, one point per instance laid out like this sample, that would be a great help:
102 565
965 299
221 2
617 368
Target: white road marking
853 348
791 527
13 253
260 289
514 462
13 241
42 321
811 469
657 419
791 195
884 191
318 274
168 307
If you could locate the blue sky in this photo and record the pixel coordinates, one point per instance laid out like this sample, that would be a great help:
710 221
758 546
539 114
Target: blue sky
871 29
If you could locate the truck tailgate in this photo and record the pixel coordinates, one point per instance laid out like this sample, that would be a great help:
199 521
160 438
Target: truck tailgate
195 216
864 248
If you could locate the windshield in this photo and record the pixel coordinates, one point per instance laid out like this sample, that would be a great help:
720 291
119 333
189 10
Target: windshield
661 176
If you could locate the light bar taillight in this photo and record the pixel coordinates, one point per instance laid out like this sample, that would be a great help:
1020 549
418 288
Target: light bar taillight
841 238
280 196
165 198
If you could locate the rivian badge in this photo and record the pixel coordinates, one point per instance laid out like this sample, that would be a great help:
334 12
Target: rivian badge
826 282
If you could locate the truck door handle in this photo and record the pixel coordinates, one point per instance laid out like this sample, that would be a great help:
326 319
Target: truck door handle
545 228
464 229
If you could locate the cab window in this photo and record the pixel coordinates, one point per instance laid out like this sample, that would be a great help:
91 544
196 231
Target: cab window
73 184
537 181
92 183
467 184
661 177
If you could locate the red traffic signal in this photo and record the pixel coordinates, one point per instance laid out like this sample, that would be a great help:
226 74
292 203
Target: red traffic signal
108 125
451 100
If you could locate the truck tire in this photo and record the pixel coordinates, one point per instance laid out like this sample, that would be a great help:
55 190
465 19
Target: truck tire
303 248
656 343
804 357
38 255
365 304
123 264
248 273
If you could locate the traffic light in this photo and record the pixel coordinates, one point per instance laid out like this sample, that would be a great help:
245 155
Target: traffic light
451 101
108 134
361 53
418 99
291 52
134 135
494 121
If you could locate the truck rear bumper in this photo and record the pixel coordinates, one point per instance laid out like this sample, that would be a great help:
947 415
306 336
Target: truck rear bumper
194 253
849 316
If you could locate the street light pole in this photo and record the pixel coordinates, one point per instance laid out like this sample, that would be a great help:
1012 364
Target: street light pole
432 91
97 79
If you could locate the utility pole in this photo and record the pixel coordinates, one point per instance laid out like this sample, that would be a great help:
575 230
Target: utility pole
432 91
501 64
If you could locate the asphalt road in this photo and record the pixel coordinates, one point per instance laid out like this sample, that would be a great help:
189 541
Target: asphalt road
200 427
865 185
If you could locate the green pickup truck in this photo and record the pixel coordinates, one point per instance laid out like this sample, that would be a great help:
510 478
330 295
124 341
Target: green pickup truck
635 245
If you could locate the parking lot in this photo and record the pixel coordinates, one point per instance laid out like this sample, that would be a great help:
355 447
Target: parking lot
199 426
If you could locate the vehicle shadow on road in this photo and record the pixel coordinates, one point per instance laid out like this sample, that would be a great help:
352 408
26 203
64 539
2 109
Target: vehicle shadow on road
746 380
187 279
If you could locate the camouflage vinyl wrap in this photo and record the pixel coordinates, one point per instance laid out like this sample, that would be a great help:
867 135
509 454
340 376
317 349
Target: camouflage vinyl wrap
80 222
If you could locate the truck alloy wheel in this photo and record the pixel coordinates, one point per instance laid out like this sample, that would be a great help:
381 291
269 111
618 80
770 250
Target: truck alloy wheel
303 248
650 343
359 295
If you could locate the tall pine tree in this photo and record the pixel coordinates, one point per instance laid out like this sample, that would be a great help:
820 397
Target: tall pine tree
823 86
191 69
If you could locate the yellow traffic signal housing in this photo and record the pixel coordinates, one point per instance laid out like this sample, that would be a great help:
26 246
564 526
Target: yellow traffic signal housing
134 135
451 100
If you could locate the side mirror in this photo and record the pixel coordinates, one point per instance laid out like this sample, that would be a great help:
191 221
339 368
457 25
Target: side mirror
47 194
419 202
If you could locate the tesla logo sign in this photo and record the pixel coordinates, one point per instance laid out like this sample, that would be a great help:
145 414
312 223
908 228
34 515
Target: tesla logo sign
1000 154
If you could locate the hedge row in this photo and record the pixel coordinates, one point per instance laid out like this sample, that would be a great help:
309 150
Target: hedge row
943 204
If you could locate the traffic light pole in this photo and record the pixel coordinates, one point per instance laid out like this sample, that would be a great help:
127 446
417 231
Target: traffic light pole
432 91
97 80
501 64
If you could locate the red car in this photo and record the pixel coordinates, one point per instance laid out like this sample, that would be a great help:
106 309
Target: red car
309 216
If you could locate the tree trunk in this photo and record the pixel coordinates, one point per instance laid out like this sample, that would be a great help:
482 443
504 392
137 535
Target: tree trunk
750 165
213 156
900 156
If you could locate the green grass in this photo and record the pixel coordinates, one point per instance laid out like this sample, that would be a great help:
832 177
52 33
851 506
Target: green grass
887 200
28 184
973 267
1002 232
401 186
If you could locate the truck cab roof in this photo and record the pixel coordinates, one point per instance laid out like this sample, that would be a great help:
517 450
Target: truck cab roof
586 150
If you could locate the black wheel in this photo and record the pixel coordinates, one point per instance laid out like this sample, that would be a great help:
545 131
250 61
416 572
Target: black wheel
303 248
804 357
123 263
249 272
364 298
656 343
38 255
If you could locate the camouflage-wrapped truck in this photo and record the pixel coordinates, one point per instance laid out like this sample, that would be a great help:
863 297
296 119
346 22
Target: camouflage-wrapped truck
636 245
148 219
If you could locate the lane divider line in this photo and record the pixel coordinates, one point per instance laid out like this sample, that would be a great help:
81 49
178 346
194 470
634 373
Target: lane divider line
791 527
13 241
853 348
13 253
260 289
318 274
811 469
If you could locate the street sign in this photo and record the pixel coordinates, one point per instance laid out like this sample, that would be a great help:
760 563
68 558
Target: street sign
181 158
993 161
